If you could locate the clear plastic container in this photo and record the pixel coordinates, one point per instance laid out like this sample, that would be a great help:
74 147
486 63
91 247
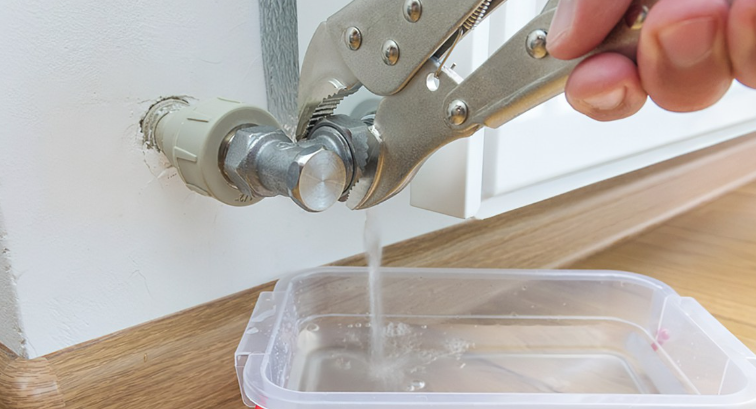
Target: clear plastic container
490 338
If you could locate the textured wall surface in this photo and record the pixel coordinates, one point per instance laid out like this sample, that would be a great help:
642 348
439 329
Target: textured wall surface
10 324
103 235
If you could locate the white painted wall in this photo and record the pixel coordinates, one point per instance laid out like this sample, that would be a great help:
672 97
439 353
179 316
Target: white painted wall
102 236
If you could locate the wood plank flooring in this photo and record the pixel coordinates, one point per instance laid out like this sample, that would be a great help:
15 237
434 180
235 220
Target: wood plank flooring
708 253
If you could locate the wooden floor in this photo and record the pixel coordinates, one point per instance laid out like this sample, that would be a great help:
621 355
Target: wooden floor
708 253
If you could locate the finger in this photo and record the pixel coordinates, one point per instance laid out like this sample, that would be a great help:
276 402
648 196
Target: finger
606 87
581 25
682 56
741 41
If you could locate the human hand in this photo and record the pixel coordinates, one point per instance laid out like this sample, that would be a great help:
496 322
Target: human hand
688 54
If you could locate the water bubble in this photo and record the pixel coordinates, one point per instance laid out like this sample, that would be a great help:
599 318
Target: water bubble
358 325
524 288
397 329
313 327
564 304
463 365
343 363
416 385
350 326
424 326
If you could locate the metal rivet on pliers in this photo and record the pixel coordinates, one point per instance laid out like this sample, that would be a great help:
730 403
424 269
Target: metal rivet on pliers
353 38
456 113
413 9
536 44
390 52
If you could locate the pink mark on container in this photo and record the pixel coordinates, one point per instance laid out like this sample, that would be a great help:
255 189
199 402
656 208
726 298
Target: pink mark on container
661 337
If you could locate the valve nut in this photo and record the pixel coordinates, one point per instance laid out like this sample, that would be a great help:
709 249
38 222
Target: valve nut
316 179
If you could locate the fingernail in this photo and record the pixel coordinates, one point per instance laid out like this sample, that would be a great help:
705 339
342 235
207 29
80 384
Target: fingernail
689 42
562 23
607 101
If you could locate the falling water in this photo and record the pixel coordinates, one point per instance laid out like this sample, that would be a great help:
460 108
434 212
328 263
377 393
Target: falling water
374 253
402 354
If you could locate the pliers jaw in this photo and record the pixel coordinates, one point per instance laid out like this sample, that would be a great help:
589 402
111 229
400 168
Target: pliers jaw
325 81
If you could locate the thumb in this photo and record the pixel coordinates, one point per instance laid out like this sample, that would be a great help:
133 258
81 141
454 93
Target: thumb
579 26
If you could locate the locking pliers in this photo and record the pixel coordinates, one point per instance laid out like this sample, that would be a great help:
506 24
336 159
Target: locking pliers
396 49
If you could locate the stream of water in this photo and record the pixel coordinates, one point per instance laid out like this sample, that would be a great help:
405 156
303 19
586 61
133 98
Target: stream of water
374 254
364 354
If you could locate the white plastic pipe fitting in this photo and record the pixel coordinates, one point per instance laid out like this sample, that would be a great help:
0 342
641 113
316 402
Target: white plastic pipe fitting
191 138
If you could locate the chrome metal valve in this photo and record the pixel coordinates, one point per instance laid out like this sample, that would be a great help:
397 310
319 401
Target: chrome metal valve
262 161
315 172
